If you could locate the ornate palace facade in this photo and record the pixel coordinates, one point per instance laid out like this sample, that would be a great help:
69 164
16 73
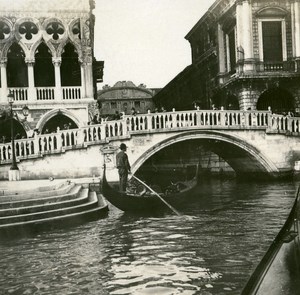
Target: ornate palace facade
245 55
46 62
124 96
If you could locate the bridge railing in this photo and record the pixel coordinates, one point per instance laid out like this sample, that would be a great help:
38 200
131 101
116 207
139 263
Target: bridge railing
152 122
198 119
285 124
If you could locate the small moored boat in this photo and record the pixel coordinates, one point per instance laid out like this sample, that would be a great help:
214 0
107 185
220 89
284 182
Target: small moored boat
147 201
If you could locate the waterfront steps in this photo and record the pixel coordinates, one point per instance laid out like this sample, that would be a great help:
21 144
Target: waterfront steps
30 199
63 203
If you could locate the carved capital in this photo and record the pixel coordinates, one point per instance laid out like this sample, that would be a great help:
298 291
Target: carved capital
56 61
87 57
3 62
30 61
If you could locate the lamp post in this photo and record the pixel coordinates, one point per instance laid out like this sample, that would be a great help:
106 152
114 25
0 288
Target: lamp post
14 172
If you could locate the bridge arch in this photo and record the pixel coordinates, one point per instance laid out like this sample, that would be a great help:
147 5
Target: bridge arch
243 157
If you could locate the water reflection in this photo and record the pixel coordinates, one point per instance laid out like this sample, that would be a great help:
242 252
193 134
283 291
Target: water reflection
211 249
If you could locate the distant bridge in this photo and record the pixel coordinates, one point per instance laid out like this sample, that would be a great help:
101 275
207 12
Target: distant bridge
250 141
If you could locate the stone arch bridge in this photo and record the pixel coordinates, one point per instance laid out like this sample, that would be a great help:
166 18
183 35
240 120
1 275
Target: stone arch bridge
252 142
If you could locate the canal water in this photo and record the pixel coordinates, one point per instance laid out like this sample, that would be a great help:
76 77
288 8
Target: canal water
212 248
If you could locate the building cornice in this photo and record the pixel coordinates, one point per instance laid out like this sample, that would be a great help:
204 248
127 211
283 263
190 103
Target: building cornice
217 9
100 92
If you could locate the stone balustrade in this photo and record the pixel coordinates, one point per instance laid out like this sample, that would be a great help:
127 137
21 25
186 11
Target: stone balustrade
144 123
46 93
19 93
71 92
198 119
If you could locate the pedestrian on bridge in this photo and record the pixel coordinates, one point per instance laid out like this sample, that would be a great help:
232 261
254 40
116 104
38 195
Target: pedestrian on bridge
123 167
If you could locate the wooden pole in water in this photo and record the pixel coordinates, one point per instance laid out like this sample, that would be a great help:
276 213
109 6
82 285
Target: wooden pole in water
164 201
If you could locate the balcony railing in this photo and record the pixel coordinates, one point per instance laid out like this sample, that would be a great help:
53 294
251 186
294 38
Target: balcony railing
273 67
279 66
71 92
45 93
19 93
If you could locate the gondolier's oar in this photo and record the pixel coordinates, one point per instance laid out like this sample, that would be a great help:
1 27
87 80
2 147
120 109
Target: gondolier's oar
149 188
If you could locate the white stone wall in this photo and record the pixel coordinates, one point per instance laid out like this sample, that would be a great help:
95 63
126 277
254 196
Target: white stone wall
43 5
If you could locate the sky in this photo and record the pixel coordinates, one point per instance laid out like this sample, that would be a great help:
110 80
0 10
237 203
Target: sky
143 40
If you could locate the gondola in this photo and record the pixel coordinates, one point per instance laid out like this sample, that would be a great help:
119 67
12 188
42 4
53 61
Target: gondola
147 201
279 270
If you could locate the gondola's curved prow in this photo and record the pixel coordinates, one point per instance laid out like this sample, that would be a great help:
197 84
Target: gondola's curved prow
286 235
145 202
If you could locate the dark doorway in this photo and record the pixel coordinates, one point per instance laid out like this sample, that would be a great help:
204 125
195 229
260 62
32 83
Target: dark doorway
43 67
70 67
232 102
17 75
226 99
280 101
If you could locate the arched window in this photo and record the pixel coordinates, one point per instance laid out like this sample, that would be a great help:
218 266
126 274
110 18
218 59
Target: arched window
43 67
17 75
280 101
5 130
70 67
60 120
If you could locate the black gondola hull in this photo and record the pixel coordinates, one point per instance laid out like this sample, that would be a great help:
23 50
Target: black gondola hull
148 202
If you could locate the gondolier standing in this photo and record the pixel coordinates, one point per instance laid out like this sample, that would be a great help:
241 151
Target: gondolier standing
123 167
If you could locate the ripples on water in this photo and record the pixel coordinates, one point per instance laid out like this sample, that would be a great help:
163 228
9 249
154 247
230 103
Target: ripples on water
211 249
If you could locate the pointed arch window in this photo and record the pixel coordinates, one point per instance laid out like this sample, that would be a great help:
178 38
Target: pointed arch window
17 75
70 67
43 67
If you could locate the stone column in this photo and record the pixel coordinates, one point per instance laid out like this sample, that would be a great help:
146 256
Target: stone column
87 71
222 59
31 88
239 36
4 90
83 82
228 53
58 91
89 89
296 35
239 26
249 65
297 28
248 97
293 28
